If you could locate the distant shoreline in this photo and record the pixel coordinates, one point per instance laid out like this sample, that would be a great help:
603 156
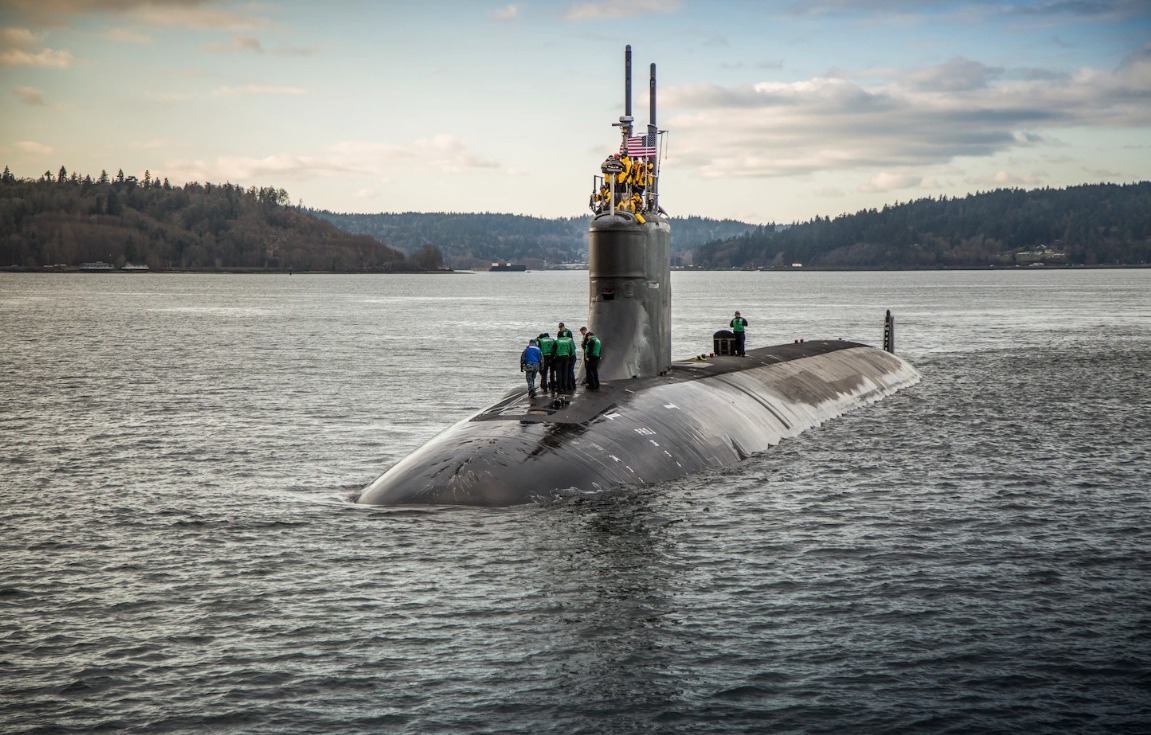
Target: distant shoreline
465 271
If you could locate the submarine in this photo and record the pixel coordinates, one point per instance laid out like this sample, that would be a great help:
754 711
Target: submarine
653 419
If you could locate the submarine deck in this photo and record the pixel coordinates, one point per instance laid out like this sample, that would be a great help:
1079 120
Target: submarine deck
584 405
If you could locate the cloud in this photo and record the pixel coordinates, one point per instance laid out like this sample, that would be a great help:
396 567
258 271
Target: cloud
127 35
21 47
20 38
508 12
612 9
198 14
190 15
889 181
1006 179
295 51
956 75
441 154
245 44
960 108
256 89
150 145
30 96
976 10
43 59
1091 9
29 146
238 43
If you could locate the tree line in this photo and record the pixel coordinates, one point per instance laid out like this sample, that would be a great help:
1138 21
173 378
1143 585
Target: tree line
477 240
1092 224
66 219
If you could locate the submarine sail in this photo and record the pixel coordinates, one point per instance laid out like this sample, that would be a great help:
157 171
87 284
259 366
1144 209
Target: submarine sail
653 419
629 254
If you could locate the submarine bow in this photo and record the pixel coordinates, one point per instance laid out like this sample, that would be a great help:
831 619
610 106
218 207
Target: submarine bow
653 420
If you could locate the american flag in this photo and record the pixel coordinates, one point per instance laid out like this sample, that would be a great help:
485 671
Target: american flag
641 145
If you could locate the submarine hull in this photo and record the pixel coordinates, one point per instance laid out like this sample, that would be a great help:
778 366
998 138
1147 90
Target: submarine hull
634 432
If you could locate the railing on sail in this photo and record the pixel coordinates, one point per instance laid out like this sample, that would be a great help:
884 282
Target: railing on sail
627 184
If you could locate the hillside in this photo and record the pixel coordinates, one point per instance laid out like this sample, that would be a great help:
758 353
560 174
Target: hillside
68 219
1096 224
476 240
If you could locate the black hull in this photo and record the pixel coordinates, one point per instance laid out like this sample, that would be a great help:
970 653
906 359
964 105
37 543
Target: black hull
699 415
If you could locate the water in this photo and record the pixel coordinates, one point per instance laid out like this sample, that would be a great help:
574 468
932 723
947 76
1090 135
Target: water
179 554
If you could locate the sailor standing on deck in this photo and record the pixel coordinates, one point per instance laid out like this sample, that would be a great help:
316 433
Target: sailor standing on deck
583 350
591 357
561 377
530 360
565 354
739 326
547 367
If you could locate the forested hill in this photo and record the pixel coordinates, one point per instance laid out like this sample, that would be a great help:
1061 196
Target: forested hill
68 219
1095 224
477 240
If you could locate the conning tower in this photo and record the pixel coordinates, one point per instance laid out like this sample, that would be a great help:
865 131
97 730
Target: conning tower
629 257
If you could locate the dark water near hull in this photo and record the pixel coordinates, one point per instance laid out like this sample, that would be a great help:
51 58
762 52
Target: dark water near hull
178 553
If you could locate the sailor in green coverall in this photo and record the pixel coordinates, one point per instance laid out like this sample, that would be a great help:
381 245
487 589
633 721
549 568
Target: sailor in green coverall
591 358
548 369
739 326
565 354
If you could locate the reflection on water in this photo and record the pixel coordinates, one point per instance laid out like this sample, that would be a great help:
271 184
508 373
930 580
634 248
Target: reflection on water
601 566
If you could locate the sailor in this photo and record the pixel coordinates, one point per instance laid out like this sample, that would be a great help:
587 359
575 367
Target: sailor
591 358
624 180
636 205
739 326
565 354
601 198
547 366
638 178
530 360
583 350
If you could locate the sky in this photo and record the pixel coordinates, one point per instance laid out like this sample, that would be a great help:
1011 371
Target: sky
773 111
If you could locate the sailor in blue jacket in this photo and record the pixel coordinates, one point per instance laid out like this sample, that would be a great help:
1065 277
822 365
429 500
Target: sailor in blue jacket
530 360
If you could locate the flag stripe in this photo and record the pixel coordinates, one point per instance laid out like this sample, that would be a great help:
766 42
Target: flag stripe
640 145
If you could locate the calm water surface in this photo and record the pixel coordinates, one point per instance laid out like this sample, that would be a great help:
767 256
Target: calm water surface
179 554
